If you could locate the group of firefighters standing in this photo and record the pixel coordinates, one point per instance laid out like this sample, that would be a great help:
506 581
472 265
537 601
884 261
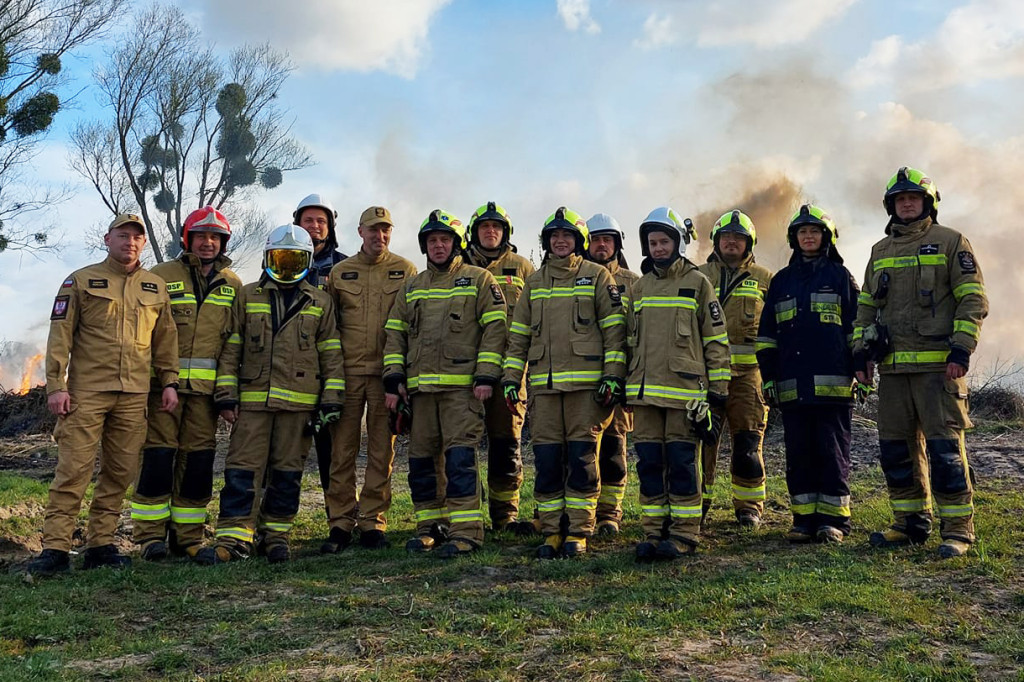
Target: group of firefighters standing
450 354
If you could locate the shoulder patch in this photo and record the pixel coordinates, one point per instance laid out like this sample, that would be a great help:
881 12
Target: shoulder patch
749 284
508 271
69 282
584 281
496 294
60 308
715 310
175 286
613 293
97 284
350 275
396 274
150 286
928 249
463 281
967 264
225 290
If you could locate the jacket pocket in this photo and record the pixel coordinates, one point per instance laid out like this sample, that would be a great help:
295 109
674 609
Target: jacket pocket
590 351
926 286
145 320
684 327
685 367
536 353
582 313
307 331
350 294
460 354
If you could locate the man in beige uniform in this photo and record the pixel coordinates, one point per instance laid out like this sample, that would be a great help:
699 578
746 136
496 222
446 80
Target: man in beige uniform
363 289
114 321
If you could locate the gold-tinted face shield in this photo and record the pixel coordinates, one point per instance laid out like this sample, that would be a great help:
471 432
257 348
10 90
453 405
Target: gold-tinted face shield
287 266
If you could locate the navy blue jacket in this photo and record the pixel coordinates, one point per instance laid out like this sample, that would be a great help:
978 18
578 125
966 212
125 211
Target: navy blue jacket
322 266
806 332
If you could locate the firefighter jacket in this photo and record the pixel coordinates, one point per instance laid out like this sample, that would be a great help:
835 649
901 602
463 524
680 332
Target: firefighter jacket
924 284
805 338
281 357
741 294
447 329
320 270
682 347
201 308
569 326
114 325
626 281
363 290
509 269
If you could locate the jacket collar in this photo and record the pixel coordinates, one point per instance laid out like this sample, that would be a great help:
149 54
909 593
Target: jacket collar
563 267
119 269
366 258
452 266
914 229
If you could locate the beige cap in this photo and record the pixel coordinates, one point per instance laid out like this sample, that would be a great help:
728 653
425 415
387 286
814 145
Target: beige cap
374 216
127 219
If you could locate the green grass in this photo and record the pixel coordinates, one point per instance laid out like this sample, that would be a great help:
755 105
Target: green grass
749 605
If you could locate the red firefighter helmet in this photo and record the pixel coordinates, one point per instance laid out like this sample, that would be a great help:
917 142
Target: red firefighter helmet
206 219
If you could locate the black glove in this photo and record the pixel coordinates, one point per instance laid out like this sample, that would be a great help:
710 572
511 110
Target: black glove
708 428
510 390
327 414
400 421
771 394
485 381
225 405
860 361
393 382
717 400
959 356
610 391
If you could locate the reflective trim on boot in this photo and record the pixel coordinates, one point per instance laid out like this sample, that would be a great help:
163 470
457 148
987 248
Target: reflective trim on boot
421 544
551 549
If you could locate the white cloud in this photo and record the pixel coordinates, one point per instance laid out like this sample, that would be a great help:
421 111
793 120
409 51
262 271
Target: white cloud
383 35
766 24
576 15
982 40
658 32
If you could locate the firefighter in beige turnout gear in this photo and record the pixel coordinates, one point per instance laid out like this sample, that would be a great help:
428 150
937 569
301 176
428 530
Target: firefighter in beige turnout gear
919 316
740 285
110 323
445 339
567 336
175 481
279 379
363 289
606 249
678 368
490 231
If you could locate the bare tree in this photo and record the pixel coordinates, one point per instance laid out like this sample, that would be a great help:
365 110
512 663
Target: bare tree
34 37
188 129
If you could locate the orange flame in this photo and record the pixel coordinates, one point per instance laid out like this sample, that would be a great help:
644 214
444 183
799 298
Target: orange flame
30 370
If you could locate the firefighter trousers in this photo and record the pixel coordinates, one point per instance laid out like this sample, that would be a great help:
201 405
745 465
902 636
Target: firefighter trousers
612 466
323 442
566 430
444 475
818 465
921 422
117 422
175 481
747 414
504 457
264 445
347 508
669 469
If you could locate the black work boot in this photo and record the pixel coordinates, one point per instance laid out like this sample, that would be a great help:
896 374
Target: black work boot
646 551
49 562
154 551
105 556
456 547
373 539
278 554
337 540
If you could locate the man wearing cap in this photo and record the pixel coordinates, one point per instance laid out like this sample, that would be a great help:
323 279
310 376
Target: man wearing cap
110 323
363 289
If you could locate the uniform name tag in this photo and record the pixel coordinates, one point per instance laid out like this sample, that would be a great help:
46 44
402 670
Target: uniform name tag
97 284
60 308
463 282
396 274
508 271
175 286
227 291
749 284
582 281
150 286
350 275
